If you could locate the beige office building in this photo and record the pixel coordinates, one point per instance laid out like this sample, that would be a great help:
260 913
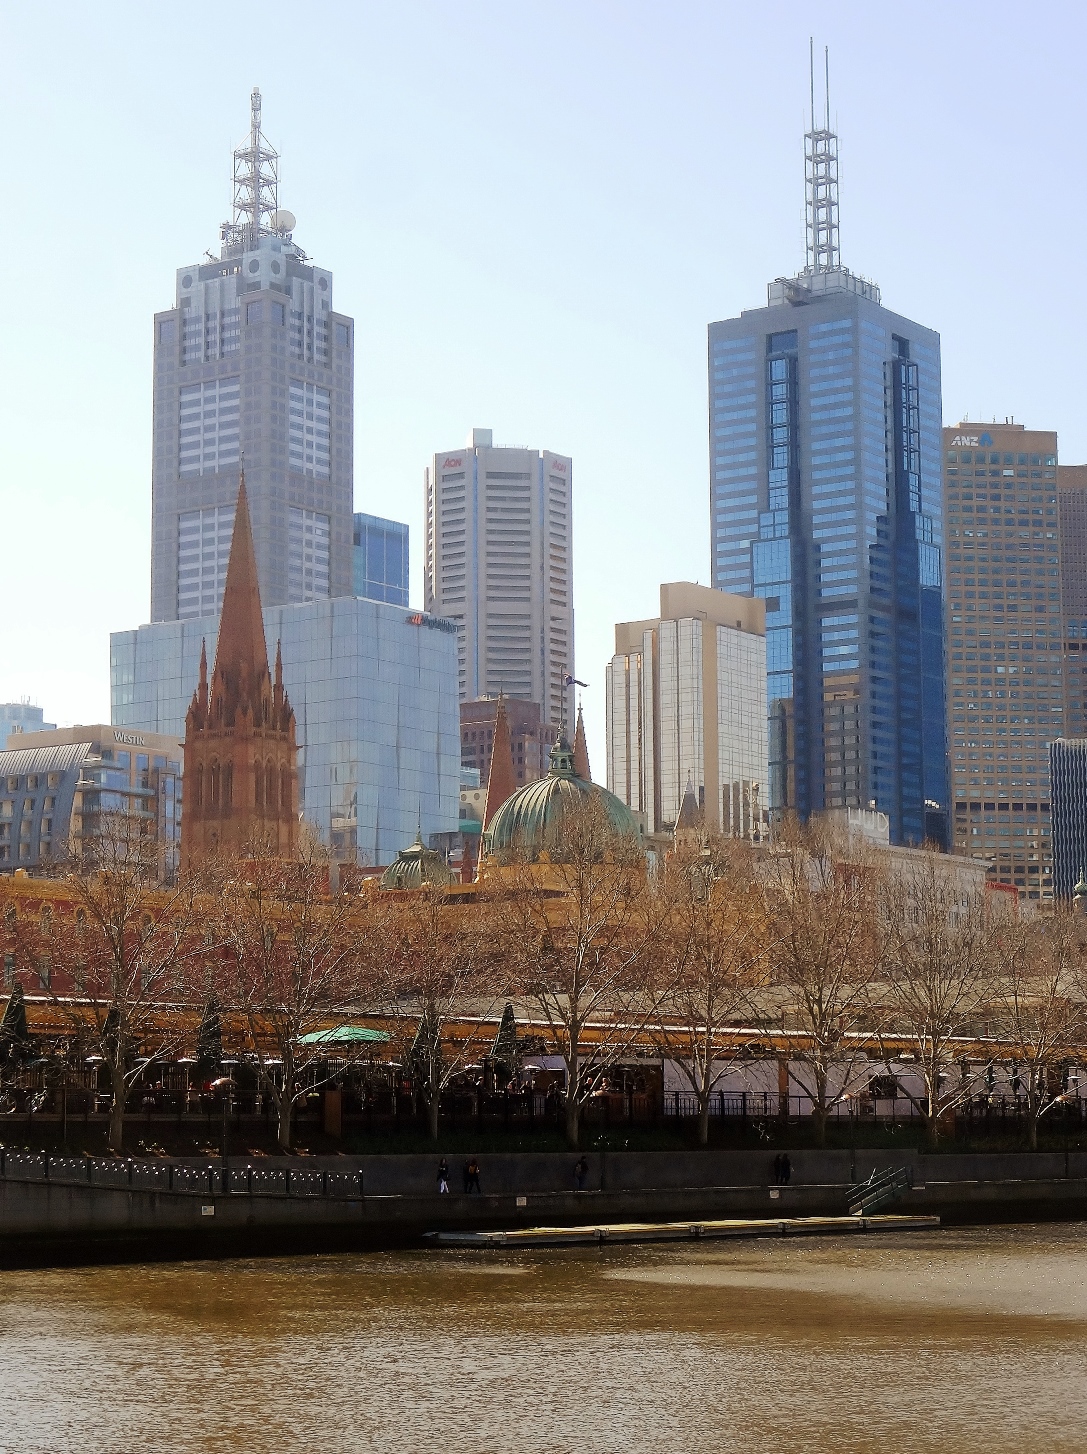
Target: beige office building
1005 644
498 563
686 698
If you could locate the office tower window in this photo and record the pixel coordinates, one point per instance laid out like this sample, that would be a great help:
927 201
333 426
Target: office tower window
208 425
307 555
310 428
203 550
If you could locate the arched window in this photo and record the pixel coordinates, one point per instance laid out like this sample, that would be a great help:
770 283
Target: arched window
273 796
198 787
258 787
228 787
285 804
213 787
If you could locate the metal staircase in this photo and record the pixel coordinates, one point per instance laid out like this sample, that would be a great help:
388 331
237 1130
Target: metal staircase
881 1188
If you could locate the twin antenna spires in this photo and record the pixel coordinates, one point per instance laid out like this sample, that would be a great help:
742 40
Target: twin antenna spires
821 180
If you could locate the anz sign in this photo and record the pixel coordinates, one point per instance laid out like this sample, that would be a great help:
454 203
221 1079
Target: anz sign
972 441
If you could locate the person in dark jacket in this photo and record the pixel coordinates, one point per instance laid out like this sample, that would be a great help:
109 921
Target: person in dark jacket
581 1173
786 1169
443 1176
471 1175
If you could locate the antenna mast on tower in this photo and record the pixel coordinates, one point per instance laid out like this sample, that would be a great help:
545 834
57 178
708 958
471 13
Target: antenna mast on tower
256 182
821 181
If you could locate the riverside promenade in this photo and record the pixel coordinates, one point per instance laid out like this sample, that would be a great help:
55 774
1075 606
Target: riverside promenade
72 1209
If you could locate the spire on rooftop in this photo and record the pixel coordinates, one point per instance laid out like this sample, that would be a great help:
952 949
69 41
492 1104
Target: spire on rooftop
581 749
241 653
821 180
501 779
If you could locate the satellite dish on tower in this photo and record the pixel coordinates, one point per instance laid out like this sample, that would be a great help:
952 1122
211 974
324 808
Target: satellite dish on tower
283 221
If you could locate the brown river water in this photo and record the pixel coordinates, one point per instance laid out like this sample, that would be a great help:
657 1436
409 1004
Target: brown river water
960 1339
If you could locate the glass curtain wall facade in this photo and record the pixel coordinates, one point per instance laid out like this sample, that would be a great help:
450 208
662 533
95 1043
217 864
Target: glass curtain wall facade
1005 646
381 559
1072 517
377 715
826 502
1068 786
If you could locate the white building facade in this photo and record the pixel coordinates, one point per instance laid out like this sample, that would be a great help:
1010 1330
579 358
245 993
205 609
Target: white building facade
686 700
499 564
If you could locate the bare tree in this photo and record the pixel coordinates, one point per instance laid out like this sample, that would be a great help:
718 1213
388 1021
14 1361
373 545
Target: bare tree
113 950
938 979
573 928
1039 1016
437 975
821 890
291 967
711 959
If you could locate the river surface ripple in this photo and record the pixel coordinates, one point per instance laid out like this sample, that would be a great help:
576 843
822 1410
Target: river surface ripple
961 1339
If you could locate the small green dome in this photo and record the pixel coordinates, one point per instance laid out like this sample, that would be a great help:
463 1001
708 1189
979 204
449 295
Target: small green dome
1080 890
415 867
531 819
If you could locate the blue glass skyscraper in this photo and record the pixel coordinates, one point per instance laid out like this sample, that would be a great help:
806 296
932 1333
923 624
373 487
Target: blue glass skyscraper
826 500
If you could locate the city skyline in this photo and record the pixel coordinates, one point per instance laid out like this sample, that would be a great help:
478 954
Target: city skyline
639 429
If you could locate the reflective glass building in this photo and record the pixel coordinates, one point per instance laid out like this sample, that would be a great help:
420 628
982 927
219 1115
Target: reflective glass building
1068 785
374 689
381 559
826 501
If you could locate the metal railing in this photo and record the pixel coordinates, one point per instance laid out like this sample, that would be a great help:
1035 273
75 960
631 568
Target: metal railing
117 1174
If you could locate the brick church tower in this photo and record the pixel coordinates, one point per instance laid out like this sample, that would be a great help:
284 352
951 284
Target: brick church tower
241 778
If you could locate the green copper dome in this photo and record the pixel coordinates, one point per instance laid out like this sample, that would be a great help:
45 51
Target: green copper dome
1080 890
531 820
415 867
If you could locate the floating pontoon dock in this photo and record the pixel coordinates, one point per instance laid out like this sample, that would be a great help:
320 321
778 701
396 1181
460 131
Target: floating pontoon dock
681 1231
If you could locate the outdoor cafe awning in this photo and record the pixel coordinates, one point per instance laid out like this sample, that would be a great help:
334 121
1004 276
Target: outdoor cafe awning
344 1035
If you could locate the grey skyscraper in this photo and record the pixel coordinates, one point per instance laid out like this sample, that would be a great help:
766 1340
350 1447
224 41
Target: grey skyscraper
826 500
252 365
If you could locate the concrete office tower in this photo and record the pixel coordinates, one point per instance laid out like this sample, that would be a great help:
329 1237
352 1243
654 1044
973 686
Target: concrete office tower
498 563
251 362
381 559
826 501
686 700
1005 682
1072 517
16 717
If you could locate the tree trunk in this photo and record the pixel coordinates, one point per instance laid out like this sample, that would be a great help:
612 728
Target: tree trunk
933 1128
573 1119
433 1108
819 1116
1032 1129
117 1111
285 1110
704 1119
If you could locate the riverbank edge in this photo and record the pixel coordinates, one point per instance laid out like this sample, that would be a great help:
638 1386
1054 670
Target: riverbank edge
66 1224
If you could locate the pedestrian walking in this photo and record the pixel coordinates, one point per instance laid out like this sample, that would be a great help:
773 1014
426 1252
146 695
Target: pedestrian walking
471 1176
443 1177
777 1169
786 1169
581 1172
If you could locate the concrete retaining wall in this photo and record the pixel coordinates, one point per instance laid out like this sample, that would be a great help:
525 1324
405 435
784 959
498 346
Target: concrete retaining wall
53 1221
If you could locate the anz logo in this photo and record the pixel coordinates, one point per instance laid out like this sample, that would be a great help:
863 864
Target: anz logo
972 441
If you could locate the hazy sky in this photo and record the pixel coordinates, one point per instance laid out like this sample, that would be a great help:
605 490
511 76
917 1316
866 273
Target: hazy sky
532 210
